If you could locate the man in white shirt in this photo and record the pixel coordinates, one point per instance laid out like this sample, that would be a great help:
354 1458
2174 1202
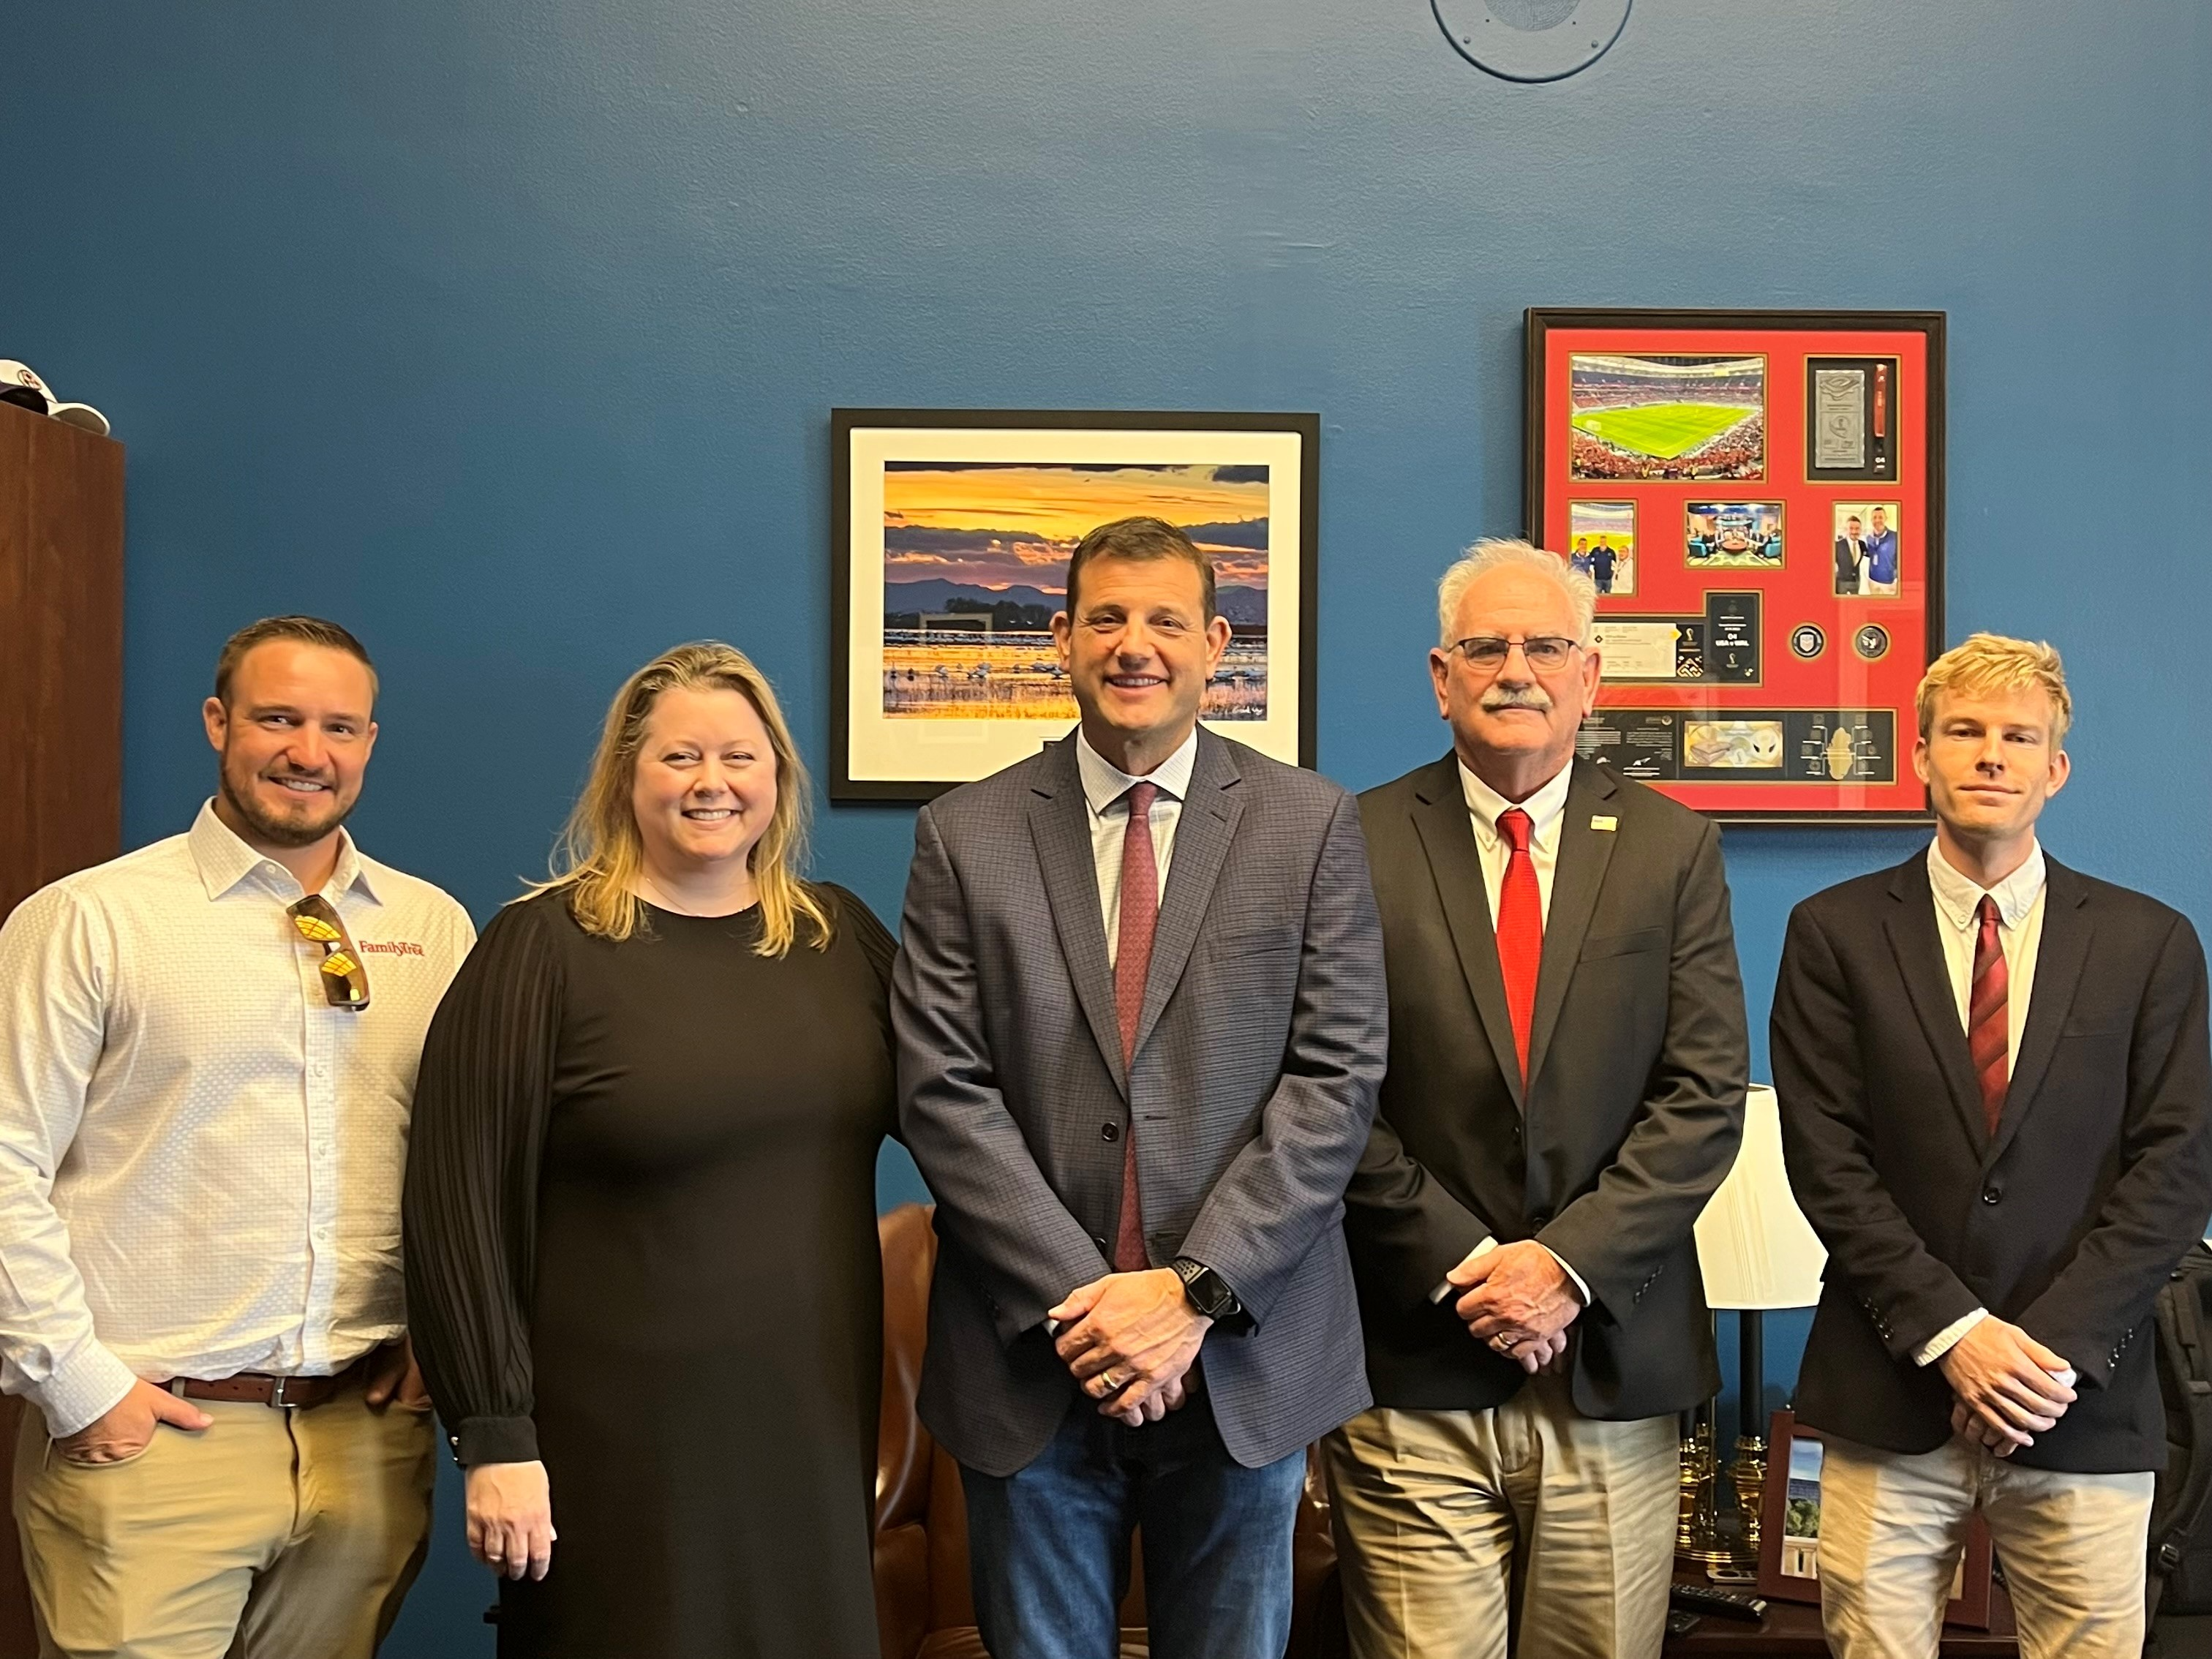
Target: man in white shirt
1995 1087
208 1050
1565 1090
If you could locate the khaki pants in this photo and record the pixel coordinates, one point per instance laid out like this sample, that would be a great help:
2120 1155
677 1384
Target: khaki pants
1892 1527
274 1534
1455 1528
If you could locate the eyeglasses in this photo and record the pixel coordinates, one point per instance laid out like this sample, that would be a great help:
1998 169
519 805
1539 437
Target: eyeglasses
1547 653
345 981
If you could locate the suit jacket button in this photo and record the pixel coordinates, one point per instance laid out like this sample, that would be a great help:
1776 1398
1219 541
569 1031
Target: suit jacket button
1991 1195
1539 1220
1100 1241
1109 1131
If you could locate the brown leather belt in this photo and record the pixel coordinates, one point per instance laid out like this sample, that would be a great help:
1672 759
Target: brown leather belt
259 1388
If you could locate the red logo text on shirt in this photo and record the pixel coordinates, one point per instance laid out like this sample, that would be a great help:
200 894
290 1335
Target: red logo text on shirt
397 947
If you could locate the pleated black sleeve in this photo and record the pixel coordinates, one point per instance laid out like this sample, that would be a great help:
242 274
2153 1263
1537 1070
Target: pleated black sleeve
848 909
880 949
481 1100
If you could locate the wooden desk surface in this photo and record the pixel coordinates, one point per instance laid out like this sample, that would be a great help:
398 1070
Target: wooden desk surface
1794 1627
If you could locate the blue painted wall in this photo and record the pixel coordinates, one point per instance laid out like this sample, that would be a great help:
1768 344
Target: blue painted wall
507 334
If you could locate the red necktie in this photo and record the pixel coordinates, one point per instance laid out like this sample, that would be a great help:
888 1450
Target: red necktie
1133 960
1989 1021
1520 929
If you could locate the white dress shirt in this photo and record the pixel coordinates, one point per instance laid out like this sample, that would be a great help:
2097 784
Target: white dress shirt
200 1159
1548 811
1106 790
2020 934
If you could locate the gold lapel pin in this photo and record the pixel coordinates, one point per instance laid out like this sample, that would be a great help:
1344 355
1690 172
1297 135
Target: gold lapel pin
1604 821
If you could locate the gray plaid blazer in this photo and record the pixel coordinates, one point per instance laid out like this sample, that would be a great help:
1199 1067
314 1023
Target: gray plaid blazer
1258 1055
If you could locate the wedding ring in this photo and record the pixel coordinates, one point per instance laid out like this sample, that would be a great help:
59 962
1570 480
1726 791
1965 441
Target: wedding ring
1112 1384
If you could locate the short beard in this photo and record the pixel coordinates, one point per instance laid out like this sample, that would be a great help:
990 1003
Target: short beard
281 832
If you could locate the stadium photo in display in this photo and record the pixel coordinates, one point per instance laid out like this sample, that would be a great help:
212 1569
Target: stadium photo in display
1732 536
1603 544
954 531
1637 416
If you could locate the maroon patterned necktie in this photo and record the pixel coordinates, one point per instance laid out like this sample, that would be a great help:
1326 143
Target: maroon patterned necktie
1989 1034
1133 961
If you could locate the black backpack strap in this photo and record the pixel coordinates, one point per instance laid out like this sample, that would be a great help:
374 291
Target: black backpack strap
2180 1314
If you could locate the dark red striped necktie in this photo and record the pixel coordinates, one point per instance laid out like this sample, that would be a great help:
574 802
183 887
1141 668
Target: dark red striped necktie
1989 1017
1520 928
1133 961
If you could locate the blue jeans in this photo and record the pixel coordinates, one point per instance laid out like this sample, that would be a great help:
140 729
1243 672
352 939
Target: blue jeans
1048 1546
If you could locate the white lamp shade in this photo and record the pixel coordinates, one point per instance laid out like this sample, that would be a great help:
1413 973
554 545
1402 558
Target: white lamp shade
1754 1245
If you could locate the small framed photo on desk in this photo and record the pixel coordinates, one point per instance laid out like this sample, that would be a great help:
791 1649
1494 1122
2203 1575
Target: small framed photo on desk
1790 1528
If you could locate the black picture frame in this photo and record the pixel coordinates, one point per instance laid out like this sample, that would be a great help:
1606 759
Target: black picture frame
868 443
1820 731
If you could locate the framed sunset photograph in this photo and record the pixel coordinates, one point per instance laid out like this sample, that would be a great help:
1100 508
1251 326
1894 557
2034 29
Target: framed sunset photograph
951 531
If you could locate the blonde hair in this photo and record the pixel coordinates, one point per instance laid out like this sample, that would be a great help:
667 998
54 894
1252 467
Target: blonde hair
1986 663
600 855
1499 554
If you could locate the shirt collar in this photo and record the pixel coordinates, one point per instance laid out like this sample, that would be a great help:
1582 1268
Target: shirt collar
1958 896
1104 783
1544 808
224 861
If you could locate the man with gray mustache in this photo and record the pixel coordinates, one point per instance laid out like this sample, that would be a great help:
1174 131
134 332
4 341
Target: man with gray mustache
1565 1089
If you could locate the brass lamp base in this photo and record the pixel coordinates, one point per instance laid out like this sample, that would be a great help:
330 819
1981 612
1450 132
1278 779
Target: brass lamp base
1749 1475
1709 1533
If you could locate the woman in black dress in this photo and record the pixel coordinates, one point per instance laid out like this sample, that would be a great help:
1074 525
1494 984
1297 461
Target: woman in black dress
641 1263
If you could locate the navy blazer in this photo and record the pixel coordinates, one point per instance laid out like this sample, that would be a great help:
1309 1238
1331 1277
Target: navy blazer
2065 1222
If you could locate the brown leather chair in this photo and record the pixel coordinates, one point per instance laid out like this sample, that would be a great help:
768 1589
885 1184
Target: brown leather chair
923 1605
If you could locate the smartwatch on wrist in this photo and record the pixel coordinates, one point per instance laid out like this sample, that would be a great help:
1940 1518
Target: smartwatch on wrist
1207 1290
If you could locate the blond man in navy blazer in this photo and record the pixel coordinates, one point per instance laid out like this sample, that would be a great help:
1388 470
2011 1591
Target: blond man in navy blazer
1995 1083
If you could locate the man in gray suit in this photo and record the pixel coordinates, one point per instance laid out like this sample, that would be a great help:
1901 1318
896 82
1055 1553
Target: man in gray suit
1141 1018
1565 1090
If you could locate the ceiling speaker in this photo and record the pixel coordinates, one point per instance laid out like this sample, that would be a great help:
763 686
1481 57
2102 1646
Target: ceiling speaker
1531 39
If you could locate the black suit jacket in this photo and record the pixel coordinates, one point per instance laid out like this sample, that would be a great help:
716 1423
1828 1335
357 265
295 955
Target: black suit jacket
1849 553
2065 1222
1631 1118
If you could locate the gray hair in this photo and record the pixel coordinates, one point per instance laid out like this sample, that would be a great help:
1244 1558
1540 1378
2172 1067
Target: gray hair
1496 553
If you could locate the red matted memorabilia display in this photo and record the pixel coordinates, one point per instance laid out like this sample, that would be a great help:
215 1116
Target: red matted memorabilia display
1758 497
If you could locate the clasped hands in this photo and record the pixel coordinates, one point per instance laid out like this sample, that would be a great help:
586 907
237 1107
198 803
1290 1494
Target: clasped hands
1128 1339
2006 1387
1517 1301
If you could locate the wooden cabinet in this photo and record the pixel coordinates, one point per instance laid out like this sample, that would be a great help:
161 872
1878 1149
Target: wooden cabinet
61 728
61 651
